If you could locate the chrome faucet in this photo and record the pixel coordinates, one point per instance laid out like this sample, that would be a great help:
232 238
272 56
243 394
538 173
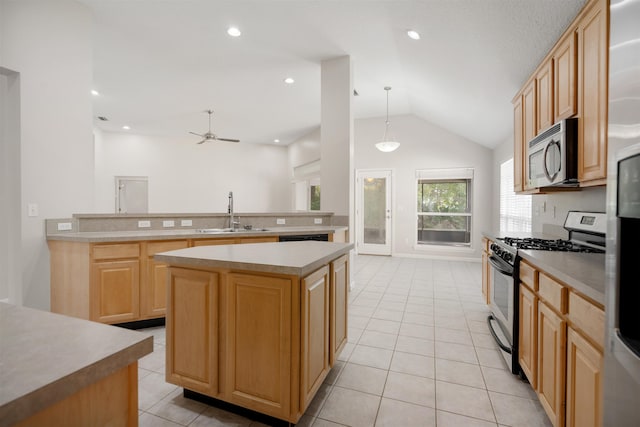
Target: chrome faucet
232 222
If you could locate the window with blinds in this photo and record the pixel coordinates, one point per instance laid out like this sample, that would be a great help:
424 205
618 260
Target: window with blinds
444 210
515 209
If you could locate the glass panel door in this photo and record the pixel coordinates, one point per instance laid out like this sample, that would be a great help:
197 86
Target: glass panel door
373 212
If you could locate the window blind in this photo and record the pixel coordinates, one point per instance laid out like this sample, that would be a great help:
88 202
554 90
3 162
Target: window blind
515 209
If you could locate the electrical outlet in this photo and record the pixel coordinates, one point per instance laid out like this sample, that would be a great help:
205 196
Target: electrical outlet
186 223
281 221
64 226
317 220
144 224
169 223
32 209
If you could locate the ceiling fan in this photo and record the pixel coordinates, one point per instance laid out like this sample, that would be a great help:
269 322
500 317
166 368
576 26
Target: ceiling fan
210 136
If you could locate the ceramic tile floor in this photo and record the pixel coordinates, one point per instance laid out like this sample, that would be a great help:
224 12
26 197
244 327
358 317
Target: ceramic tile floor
419 354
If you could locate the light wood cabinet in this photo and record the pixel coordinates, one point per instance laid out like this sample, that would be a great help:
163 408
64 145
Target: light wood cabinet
518 145
564 78
263 341
571 81
154 289
528 331
544 97
560 348
551 363
584 382
592 93
339 298
192 328
315 332
114 289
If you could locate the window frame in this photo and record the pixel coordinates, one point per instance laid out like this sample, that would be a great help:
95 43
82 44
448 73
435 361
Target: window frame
446 175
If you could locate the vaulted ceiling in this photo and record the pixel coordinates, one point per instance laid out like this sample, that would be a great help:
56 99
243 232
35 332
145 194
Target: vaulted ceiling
159 64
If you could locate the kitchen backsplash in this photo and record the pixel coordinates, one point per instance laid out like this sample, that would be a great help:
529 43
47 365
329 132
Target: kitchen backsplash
549 211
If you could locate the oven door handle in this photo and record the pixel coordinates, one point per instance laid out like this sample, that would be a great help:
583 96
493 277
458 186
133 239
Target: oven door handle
504 348
498 265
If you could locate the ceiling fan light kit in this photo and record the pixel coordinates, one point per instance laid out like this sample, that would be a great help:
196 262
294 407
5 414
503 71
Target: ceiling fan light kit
210 136
388 144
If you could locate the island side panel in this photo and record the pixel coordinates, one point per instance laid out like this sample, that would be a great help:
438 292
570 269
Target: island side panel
69 263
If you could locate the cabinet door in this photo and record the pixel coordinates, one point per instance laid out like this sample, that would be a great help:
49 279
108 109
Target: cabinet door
192 330
551 363
115 290
544 93
339 297
518 145
259 343
153 290
564 78
584 382
592 88
528 328
315 333
529 125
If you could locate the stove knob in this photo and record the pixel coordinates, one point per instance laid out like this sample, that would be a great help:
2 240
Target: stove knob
508 256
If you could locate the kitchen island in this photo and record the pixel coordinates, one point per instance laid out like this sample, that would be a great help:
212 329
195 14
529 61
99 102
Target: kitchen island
256 325
58 370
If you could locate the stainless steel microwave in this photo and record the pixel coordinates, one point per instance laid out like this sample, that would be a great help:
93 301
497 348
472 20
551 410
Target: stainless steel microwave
552 156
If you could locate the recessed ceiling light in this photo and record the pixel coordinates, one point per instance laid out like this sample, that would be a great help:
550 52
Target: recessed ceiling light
234 32
289 81
276 141
413 34
94 92
125 127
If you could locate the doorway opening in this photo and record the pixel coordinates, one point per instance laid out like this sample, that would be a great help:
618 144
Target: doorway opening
373 212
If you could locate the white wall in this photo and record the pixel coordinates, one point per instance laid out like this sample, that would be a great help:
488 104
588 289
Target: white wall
304 150
425 146
49 44
187 177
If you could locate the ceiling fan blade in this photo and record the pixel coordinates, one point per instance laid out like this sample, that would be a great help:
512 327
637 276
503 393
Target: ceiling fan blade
204 140
193 133
228 140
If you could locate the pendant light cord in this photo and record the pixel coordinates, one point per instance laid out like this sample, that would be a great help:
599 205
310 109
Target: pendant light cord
386 127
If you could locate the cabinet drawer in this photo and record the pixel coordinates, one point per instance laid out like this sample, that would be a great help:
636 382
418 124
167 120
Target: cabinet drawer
528 275
123 250
553 293
157 247
587 317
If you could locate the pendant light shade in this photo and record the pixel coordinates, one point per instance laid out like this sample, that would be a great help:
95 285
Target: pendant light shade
388 143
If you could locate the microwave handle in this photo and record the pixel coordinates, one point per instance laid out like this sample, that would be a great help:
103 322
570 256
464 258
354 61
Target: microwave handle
544 160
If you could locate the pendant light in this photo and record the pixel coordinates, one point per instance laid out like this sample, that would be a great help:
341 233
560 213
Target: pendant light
387 144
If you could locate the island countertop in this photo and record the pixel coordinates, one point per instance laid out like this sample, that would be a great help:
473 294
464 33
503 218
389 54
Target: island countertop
47 357
293 258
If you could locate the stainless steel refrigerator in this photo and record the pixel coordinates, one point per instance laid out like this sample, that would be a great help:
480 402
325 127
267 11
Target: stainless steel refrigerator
621 384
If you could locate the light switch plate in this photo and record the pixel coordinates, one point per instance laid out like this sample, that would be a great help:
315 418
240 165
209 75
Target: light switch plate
281 221
32 209
170 223
144 224
186 223
64 226
317 220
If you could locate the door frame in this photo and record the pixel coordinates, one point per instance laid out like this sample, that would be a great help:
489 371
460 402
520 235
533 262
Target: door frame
386 249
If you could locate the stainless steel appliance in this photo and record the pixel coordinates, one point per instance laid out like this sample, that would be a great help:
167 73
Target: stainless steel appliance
621 382
552 156
586 234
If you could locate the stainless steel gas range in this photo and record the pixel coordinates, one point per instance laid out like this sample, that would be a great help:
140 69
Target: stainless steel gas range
586 234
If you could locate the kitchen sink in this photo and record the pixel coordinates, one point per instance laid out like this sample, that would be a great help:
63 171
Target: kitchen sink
227 230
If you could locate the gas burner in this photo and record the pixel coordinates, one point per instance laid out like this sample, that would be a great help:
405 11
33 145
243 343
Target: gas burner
549 245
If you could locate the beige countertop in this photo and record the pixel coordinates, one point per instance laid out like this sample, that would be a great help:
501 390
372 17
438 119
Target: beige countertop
294 258
139 235
583 272
47 357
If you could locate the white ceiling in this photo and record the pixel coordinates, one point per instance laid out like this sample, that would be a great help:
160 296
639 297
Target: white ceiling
159 64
